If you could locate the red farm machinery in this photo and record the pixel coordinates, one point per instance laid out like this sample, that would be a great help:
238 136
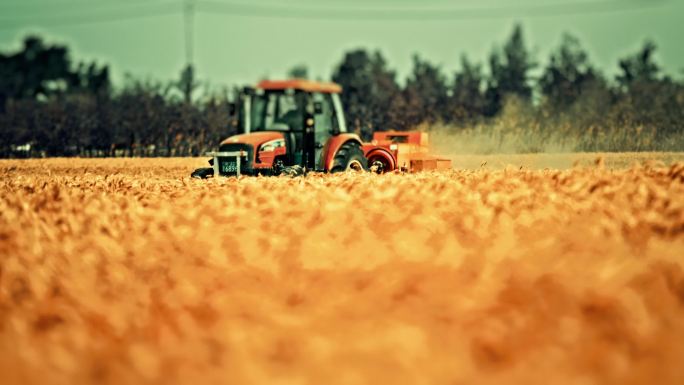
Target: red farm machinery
295 126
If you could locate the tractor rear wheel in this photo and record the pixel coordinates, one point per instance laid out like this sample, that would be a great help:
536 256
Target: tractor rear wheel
349 158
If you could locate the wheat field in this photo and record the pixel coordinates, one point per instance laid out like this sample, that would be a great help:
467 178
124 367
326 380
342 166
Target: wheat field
126 271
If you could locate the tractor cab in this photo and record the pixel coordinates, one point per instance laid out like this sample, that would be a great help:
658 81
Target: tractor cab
288 125
307 113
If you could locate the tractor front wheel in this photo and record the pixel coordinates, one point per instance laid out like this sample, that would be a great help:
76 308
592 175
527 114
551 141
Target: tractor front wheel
203 173
349 158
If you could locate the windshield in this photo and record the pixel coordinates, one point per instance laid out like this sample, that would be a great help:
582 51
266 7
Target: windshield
278 111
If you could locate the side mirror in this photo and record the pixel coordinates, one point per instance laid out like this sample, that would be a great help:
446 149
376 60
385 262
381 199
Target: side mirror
318 108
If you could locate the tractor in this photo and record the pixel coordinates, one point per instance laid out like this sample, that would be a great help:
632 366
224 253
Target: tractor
290 127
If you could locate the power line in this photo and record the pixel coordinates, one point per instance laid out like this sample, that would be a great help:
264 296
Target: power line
152 8
143 9
63 3
280 11
96 16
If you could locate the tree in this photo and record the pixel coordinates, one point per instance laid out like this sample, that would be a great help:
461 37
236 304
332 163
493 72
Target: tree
62 103
42 70
645 97
568 74
299 72
369 91
425 93
509 72
467 100
35 70
639 67
90 78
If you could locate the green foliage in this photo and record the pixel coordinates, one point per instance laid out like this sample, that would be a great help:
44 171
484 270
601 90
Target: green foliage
39 70
370 90
300 71
568 75
639 68
467 101
425 94
48 107
509 72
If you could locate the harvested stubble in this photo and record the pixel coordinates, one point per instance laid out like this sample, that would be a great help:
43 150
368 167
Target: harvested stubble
123 272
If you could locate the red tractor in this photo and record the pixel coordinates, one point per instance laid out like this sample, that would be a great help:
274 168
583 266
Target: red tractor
294 126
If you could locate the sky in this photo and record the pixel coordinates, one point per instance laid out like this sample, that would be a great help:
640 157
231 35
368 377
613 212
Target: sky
241 41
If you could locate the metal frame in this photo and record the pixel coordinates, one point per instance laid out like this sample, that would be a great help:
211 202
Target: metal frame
227 154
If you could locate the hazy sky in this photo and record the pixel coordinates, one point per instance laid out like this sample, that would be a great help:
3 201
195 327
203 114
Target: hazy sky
239 41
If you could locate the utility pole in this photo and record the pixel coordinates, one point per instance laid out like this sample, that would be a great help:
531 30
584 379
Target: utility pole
187 83
189 24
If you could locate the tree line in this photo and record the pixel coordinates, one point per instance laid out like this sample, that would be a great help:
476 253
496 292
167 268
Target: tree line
50 106
569 103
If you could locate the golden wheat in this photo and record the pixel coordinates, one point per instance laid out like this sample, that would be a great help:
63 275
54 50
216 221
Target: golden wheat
126 272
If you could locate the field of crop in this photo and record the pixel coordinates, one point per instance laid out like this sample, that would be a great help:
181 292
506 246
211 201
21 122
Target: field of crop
118 271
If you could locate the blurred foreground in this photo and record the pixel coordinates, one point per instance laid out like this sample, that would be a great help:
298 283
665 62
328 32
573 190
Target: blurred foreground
117 271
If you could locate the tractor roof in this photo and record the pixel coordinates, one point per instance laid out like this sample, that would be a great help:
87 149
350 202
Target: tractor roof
300 84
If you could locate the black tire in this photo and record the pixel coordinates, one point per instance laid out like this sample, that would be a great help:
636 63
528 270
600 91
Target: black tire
293 171
203 173
349 157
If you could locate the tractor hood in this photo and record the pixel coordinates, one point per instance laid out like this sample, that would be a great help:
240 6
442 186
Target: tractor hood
254 138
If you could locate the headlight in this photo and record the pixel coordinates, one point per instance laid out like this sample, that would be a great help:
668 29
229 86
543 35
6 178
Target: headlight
393 147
